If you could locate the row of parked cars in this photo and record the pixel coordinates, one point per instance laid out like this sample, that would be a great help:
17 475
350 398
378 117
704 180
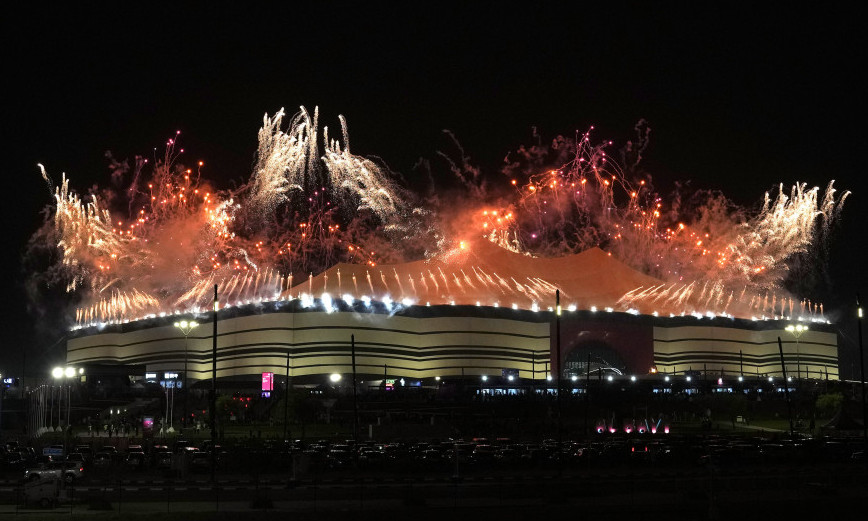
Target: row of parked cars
434 455
263 456
181 455
71 466
16 459
606 452
479 453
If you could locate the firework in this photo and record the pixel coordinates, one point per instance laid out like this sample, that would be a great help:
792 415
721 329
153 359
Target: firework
708 256
310 223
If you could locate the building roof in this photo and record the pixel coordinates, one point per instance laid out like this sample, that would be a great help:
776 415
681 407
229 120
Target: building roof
481 272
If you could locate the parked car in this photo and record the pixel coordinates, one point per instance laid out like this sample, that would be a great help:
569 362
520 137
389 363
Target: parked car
77 458
42 492
163 460
135 458
68 471
14 461
103 459
339 457
200 461
86 451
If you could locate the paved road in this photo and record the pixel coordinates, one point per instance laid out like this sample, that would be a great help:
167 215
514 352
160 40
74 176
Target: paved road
609 495
665 485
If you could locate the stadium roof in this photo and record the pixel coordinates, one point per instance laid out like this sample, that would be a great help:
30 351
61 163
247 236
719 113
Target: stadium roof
482 272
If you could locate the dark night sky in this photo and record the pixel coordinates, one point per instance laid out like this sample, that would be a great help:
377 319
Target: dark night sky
738 99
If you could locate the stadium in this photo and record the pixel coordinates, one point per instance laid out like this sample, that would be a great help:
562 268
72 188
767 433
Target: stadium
481 313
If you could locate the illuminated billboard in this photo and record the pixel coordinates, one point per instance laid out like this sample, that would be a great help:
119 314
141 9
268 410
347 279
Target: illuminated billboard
267 382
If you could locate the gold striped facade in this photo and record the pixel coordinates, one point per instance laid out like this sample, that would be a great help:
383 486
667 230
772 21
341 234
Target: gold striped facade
318 343
445 341
732 351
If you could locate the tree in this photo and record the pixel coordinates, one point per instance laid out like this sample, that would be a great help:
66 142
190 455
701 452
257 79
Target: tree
828 404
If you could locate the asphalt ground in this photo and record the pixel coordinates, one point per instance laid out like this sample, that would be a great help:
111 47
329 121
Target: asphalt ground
702 493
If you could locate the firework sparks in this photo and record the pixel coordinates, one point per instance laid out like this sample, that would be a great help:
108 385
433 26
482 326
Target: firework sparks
304 212
708 254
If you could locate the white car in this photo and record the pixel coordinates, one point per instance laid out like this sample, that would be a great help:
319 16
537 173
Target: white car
68 471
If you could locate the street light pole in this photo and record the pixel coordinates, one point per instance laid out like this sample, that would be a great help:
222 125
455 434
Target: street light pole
355 397
214 391
165 428
286 397
63 377
560 374
59 405
786 389
862 376
186 328
57 374
587 392
796 331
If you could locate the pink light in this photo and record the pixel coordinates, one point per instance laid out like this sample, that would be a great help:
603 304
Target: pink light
268 381
666 429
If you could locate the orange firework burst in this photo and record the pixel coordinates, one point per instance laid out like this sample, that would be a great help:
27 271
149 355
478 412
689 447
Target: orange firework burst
304 211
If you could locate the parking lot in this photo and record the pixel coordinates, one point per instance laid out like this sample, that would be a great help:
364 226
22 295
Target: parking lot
99 461
599 473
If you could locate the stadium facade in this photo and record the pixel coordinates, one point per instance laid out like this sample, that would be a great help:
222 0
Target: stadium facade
421 342
482 312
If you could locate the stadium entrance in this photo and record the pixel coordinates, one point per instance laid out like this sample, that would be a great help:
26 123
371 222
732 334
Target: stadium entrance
603 360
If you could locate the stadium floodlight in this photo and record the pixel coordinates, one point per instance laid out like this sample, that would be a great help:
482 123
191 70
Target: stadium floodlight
335 377
57 372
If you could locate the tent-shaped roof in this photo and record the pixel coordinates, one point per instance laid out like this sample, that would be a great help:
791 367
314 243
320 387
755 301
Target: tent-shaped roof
481 272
